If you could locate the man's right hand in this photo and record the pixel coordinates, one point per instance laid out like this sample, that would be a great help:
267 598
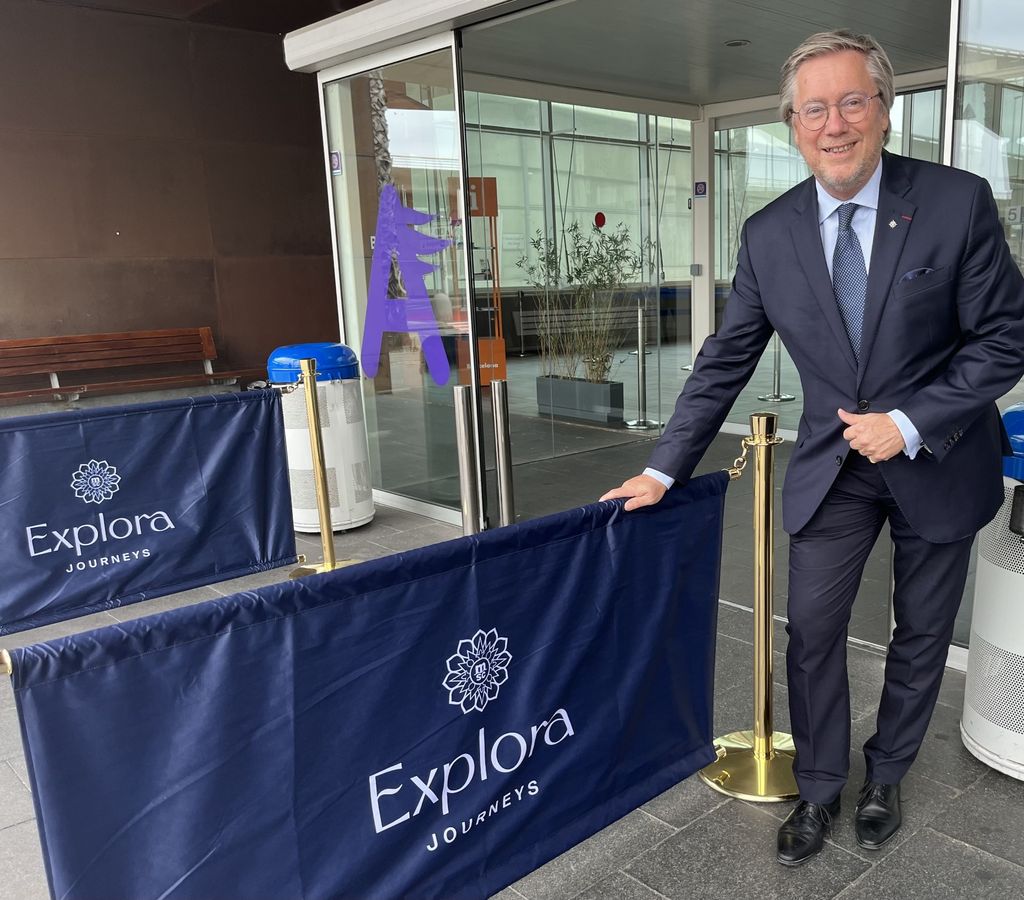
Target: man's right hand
642 490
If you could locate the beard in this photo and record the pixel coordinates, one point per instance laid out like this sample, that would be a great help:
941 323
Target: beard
837 183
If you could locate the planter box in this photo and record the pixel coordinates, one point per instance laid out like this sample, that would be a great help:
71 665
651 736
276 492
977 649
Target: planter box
575 398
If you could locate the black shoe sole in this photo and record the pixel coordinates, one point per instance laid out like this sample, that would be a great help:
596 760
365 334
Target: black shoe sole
866 846
794 863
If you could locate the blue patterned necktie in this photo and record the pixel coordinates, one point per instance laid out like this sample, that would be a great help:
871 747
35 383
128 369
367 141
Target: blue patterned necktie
850 277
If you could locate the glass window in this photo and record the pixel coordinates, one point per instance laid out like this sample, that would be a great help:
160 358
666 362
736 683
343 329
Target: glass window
515 160
592 122
592 178
926 125
988 139
503 112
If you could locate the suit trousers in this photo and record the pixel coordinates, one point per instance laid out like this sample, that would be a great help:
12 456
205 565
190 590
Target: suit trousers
826 561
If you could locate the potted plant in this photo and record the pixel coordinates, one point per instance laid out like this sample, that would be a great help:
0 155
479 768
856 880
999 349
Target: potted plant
584 312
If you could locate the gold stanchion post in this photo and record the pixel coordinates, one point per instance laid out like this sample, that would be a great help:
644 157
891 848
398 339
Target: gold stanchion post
323 500
6 666
758 764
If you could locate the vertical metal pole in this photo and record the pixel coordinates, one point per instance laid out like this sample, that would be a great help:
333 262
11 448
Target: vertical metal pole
641 420
6 665
316 446
503 452
763 426
323 498
468 485
758 764
776 396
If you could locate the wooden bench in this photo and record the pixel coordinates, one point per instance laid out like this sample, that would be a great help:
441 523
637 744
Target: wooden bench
88 359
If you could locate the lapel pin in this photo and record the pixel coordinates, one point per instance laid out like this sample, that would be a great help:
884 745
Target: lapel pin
906 218
892 223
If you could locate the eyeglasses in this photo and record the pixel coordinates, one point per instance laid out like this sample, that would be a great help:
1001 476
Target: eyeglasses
853 108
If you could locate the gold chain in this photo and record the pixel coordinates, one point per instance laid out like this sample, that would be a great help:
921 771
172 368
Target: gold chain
740 463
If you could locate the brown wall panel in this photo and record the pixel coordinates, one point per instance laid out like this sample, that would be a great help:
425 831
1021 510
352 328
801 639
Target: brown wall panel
143 198
70 196
91 72
44 297
244 91
38 178
138 157
267 303
267 200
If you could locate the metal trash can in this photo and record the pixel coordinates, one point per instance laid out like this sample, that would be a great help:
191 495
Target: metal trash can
343 427
992 726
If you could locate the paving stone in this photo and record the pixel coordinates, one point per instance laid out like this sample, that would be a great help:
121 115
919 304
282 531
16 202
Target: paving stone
6 693
10 735
943 757
954 685
21 863
989 815
18 766
688 800
934 866
417 537
15 800
619 886
730 852
586 864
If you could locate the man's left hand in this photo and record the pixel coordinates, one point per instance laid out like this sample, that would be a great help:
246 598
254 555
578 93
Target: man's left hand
873 435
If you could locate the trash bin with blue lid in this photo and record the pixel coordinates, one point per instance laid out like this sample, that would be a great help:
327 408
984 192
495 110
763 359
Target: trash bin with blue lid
343 428
992 726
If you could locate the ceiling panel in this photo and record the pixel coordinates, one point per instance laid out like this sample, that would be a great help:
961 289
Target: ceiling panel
273 16
675 51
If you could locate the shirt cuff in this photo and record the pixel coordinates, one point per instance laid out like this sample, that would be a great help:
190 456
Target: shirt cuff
911 436
666 480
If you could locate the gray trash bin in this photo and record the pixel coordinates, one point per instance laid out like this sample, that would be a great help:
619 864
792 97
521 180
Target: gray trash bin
992 726
343 427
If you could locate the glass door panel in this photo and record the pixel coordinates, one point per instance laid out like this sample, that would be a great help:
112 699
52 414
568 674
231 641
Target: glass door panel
988 139
754 165
563 273
394 144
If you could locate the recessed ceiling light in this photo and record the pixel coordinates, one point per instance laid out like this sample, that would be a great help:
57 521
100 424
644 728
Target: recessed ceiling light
737 43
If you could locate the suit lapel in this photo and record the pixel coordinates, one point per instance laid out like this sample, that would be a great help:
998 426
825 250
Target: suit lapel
807 240
886 249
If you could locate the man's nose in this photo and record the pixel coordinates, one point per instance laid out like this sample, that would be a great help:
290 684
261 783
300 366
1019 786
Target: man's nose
835 123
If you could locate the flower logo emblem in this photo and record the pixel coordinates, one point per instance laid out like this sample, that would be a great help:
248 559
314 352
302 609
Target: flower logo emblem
95 481
476 670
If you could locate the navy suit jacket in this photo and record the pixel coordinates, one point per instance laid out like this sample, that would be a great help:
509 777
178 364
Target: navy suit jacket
940 346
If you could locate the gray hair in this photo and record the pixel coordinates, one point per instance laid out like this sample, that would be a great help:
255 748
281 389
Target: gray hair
825 42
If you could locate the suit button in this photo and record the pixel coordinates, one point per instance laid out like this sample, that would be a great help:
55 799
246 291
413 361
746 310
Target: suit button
839 460
863 405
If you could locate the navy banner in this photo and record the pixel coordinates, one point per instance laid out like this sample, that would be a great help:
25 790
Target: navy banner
104 507
433 724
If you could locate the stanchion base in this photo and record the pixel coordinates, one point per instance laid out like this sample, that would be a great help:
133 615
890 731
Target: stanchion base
642 423
320 568
738 774
776 398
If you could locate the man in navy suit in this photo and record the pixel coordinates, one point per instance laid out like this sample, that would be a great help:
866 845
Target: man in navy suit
891 285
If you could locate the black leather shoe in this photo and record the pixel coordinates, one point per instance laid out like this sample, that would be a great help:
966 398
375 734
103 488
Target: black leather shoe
803 833
878 814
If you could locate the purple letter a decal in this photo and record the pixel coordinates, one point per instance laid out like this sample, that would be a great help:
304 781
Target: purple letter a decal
413 314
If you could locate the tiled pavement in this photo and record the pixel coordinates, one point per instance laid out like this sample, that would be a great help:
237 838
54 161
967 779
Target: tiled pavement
961 837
